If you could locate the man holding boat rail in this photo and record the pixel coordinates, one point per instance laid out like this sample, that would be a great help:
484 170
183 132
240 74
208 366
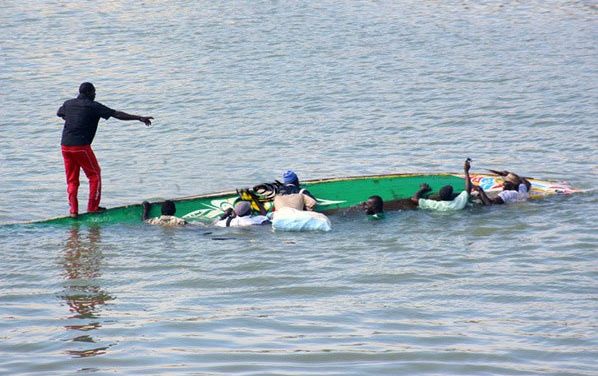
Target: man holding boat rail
241 216
81 116
373 207
446 199
515 189
167 219
294 208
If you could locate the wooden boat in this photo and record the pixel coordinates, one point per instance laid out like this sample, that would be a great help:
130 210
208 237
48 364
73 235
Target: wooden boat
332 194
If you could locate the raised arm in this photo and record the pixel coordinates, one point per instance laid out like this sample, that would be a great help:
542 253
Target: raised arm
423 188
466 168
120 115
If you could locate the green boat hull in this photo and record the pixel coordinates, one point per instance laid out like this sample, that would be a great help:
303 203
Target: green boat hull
332 194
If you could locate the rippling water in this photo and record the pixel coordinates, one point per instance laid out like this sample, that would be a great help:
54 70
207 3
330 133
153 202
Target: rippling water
243 91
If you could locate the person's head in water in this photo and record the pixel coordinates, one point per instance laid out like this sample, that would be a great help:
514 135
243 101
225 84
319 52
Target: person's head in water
289 177
511 182
242 208
88 90
168 208
374 205
446 193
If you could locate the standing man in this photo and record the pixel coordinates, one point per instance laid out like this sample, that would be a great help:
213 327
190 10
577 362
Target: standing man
81 116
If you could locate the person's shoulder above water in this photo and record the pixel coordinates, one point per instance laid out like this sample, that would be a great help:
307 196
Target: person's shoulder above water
458 203
515 189
446 200
511 195
374 207
167 218
241 216
292 195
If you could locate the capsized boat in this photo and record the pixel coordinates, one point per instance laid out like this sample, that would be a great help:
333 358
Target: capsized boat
332 194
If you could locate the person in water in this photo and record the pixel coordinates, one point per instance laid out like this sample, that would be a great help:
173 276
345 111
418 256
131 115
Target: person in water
515 189
167 218
374 207
81 116
240 216
294 208
291 195
446 199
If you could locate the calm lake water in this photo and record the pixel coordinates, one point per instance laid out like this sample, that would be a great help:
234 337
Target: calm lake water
243 91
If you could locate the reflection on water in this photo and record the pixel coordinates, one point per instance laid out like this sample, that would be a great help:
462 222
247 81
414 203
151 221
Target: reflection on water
82 269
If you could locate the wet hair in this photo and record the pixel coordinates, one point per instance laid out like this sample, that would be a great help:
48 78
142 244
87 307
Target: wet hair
446 193
168 208
376 205
87 88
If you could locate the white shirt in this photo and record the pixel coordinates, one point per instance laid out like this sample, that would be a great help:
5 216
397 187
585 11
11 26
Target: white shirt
458 203
515 196
243 221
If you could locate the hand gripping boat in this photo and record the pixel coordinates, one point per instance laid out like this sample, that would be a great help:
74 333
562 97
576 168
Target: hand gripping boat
332 194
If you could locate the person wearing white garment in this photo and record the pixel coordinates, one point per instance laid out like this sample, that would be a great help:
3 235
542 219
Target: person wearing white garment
294 208
515 189
240 216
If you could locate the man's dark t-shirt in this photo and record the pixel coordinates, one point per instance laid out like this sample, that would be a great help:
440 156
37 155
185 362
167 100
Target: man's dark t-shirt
81 116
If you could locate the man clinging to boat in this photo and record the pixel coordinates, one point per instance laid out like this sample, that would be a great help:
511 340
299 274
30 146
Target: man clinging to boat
81 116
374 207
515 189
292 195
446 200
241 216
294 208
167 218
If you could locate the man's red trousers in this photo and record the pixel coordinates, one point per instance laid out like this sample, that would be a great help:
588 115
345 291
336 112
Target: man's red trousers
75 159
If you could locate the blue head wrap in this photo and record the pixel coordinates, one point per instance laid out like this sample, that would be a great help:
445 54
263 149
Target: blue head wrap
289 177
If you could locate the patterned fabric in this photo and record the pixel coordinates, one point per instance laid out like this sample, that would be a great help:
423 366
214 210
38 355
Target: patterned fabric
167 220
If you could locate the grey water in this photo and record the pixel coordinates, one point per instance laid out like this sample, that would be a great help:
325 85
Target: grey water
242 91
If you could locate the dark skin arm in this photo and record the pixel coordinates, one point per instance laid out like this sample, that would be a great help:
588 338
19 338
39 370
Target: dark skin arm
466 168
501 173
146 208
487 200
424 188
227 213
120 115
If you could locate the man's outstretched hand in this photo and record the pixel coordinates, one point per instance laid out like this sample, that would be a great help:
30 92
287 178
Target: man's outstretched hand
147 120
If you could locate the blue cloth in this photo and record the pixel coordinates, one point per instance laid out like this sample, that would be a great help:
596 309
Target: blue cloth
289 177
